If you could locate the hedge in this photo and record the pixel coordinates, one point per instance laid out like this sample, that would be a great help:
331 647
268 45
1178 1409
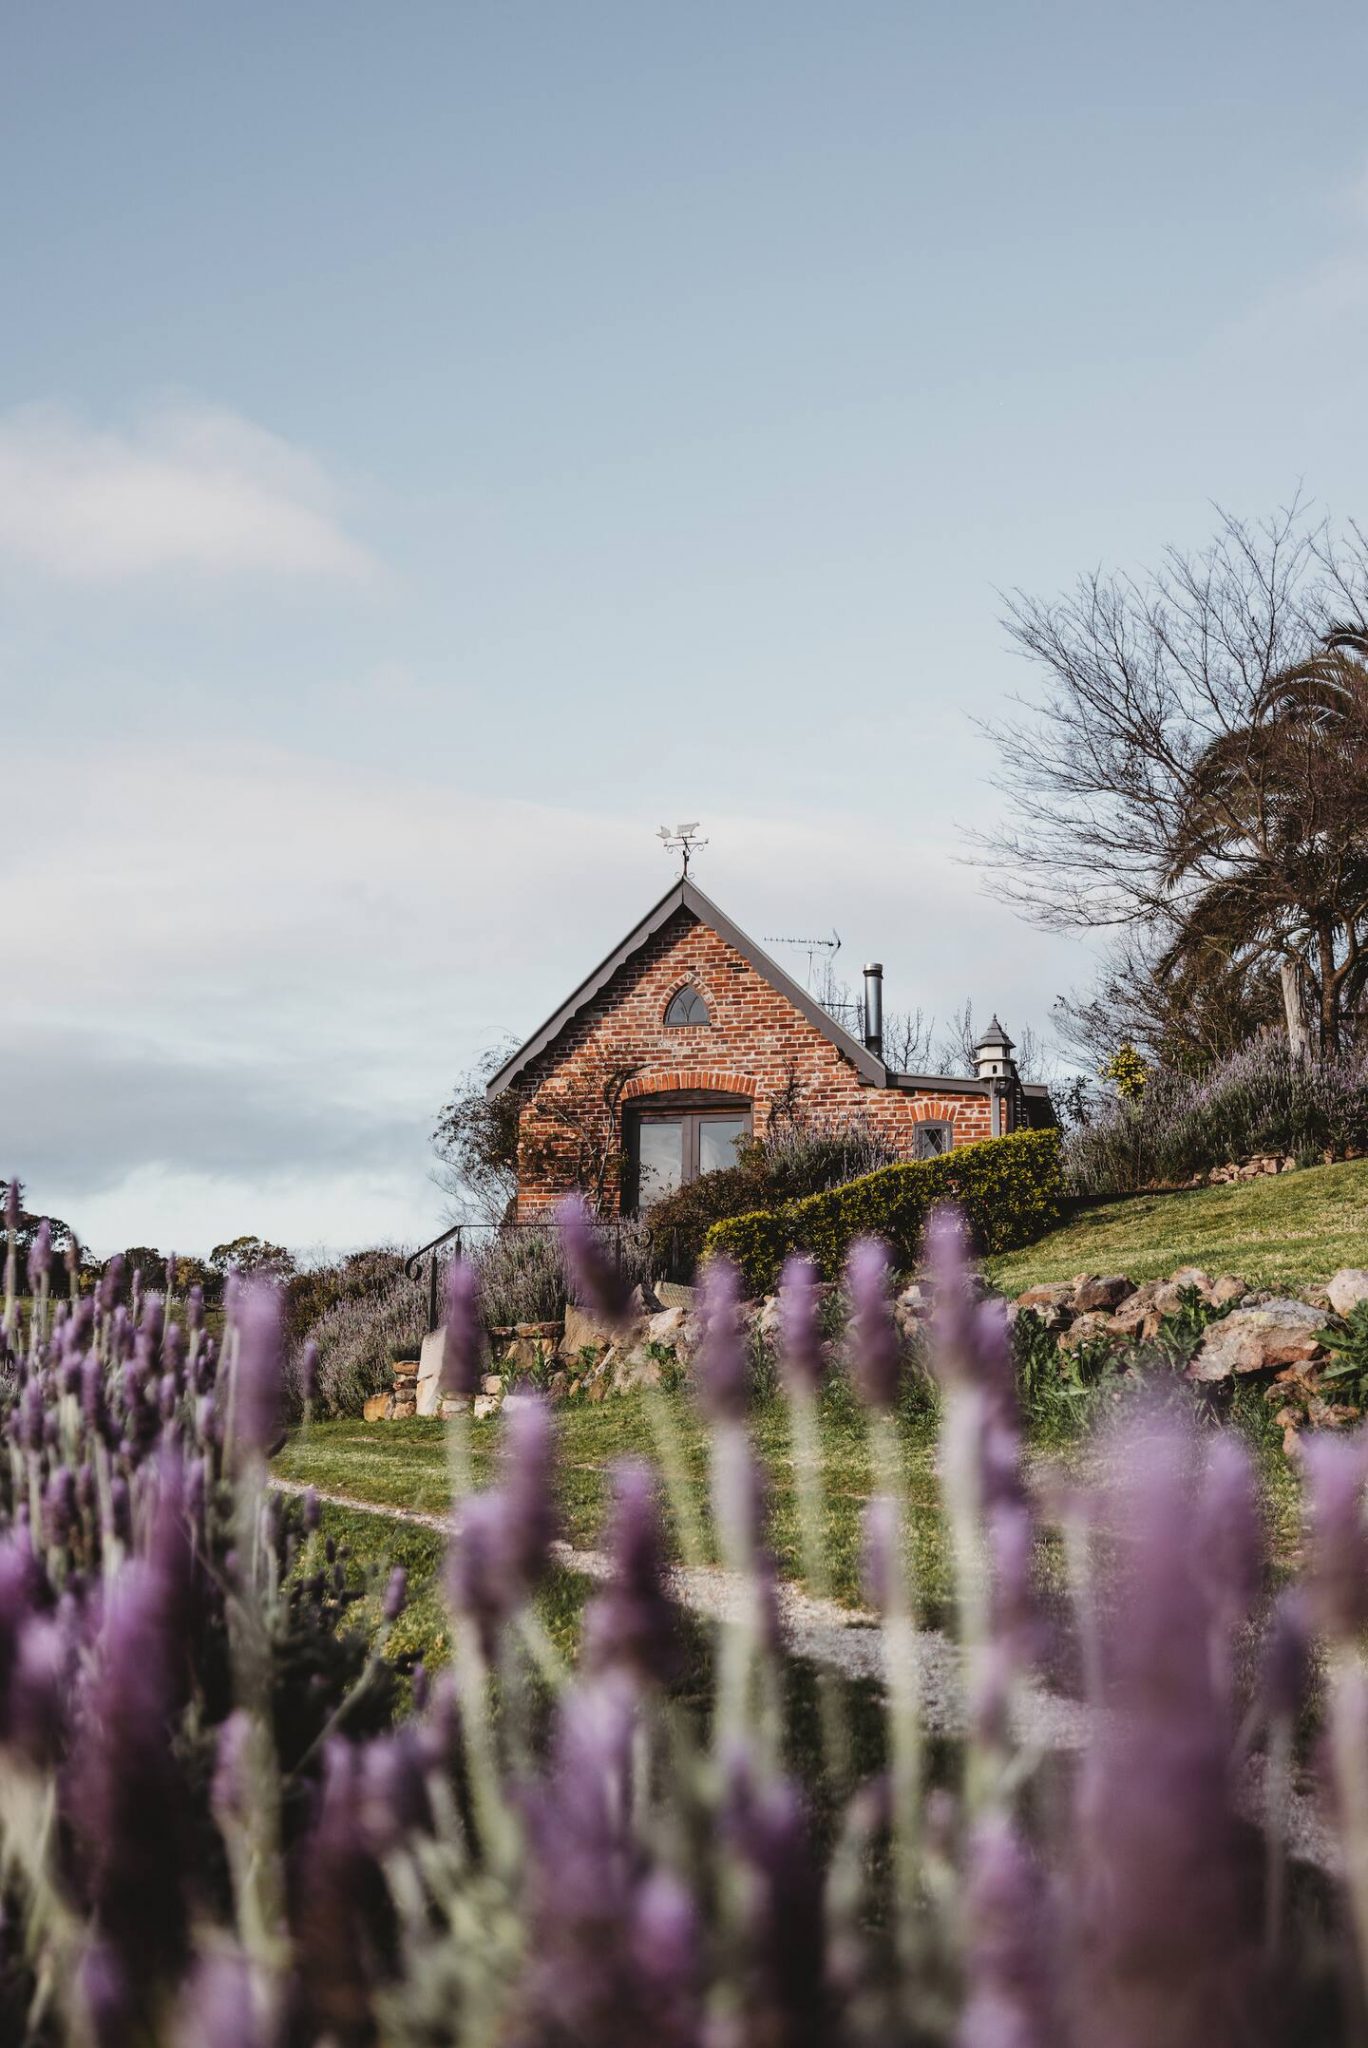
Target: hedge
1009 1190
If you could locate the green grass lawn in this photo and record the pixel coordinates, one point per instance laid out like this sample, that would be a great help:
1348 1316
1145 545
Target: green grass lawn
1281 1231
405 1464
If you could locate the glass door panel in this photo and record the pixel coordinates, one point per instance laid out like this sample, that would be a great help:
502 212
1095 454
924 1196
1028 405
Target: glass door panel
660 1158
718 1137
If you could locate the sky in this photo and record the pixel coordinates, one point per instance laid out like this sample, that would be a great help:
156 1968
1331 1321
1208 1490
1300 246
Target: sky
439 443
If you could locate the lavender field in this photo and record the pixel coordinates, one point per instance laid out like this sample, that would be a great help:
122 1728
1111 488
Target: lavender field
230 1818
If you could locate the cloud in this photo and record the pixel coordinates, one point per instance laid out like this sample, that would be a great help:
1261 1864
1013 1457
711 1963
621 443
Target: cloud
187 488
242 981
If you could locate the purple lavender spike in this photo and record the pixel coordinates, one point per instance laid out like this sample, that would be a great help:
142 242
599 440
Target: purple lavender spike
527 1479
1337 1571
59 1506
613 1946
876 1351
1010 2000
485 1582
800 1303
723 1377
129 1807
313 1511
110 2006
40 1255
393 1800
13 1211
598 1283
338 1887
632 1625
464 1339
879 1557
396 1595
308 1371
41 1688
257 1384
1161 1933
766 1829
218 2009
111 1280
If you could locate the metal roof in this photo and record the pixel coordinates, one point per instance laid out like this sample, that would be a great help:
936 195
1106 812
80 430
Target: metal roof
686 895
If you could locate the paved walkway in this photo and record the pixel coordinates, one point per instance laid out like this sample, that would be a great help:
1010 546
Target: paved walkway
850 1641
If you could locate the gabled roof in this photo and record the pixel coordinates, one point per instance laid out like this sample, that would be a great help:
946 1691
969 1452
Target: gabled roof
685 895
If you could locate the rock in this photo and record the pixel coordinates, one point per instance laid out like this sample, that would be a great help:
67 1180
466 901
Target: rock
1347 1289
491 1384
668 1326
485 1404
558 1387
453 1404
430 1373
1055 1294
1277 1333
1229 1287
403 1411
1101 1291
1191 1276
1085 1328
637 1371
1137 1315
379 1408
583 1332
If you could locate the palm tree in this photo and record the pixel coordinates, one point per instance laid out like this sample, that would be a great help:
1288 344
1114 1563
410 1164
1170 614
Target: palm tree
1270 855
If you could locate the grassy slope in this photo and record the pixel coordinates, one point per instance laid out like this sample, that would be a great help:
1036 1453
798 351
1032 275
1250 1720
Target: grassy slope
1287 1229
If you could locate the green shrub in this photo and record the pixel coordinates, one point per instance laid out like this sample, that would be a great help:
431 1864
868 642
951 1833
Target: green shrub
1009 1190
799 1155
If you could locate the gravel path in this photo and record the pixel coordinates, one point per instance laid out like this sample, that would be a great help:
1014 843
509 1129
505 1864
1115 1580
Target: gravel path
849 1640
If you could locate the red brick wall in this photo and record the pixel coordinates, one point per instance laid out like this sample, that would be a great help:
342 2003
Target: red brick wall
753 1043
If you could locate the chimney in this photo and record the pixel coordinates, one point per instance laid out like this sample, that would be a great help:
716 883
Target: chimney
873 1008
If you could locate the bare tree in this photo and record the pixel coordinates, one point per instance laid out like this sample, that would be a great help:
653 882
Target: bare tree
1196 767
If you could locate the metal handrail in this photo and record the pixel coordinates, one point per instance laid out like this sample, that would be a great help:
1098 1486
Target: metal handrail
457 1234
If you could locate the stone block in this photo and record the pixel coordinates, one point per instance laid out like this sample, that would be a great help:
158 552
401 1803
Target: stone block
379 1408
1277 1333
1347 1289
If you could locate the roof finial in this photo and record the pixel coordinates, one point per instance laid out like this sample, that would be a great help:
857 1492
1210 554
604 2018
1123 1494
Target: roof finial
684 841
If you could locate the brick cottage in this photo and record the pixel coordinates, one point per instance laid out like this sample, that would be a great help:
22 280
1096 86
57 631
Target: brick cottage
688 1037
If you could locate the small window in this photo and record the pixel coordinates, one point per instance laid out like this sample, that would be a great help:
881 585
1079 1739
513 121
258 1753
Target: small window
686 1007
932 1140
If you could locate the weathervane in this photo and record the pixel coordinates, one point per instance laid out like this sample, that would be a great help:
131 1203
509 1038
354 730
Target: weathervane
684 841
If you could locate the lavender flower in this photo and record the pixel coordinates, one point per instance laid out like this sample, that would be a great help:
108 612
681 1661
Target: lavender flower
613 1944
765 1827
218 2009
1337 1574
463 1341
40 1256
257 1383
128 1805
874 1337
723 1379
879 1566
1010 2002
597 1280
800 1303
1163 1942
632 1626
396 1596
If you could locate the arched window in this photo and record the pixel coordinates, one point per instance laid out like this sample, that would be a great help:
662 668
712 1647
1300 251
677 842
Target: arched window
932 1140
686 1007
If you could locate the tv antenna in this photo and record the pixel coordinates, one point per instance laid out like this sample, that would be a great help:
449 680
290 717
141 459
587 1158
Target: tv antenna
812 947
684 841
